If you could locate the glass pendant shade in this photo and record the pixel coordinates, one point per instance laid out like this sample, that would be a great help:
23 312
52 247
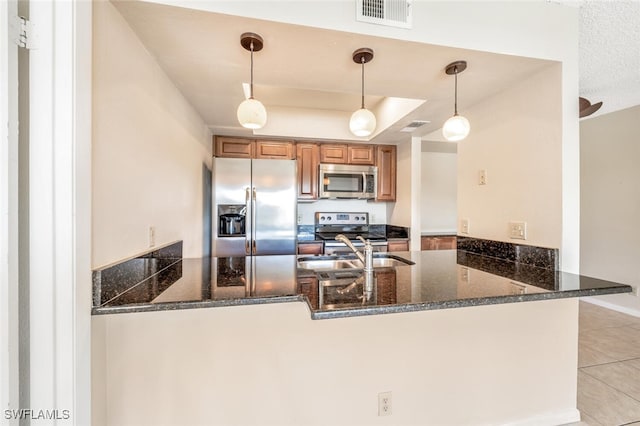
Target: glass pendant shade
456 128
362 123
252 114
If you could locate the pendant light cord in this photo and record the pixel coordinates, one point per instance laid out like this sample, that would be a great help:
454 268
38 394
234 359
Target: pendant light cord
362 61
455 102
251 84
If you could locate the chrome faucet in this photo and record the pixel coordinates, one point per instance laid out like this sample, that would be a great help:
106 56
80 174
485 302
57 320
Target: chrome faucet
366 257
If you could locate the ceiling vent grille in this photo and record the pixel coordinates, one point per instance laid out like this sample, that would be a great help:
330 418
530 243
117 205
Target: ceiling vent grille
414 125
395 13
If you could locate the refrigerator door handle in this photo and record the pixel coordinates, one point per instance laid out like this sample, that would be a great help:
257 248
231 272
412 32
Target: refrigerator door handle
253 222
247 232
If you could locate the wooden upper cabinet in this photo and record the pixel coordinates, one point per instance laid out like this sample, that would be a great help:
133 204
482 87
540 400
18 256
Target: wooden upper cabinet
360 154
248 148
333 153
307 155
233 147
386 162
278 150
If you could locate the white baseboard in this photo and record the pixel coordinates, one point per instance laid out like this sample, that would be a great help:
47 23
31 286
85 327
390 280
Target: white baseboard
551 419
625 303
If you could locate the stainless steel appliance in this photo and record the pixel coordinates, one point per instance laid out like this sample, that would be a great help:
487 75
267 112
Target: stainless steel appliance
232 218
256 205
348 181
351 224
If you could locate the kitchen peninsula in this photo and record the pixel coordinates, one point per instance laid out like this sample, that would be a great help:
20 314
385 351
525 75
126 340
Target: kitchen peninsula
468 339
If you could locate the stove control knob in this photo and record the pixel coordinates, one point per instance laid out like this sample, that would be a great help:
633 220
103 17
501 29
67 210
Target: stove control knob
328 217
362 218
321 217
357 218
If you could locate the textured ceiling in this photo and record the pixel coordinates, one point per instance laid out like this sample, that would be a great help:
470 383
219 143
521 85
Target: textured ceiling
610 53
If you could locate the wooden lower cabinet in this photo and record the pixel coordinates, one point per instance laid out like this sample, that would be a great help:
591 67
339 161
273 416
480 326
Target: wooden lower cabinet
386 288
438 243
308 286
314 247
398 245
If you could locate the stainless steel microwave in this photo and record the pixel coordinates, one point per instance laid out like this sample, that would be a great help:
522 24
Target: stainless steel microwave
348 181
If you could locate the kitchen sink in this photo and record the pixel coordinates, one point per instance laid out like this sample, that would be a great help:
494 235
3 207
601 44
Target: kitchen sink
323 263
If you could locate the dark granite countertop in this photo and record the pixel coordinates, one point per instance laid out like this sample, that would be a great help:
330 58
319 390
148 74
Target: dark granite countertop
438 280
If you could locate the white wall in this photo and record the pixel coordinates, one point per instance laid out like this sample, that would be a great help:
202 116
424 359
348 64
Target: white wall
610 200
439 188
151 150
272 365
516 137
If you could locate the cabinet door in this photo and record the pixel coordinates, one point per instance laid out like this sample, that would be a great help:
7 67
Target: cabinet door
333 153
308 286
386 288
233 147
386 162
311 248
278 150
398 246
307 158
438 243
361 154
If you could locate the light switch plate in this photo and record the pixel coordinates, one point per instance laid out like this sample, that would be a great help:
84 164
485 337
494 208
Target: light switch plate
464 226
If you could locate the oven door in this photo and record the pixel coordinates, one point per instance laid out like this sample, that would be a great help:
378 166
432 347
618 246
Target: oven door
347 181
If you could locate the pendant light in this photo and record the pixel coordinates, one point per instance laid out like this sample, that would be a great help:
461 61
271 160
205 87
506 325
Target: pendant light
362 122
457 127
251 113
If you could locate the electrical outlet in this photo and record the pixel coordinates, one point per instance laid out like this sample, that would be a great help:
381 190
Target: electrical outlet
299 218
464 226
152 236
518 230
464 274
384 404
482 177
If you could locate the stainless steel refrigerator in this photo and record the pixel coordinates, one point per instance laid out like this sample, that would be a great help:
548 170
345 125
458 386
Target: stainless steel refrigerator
254 207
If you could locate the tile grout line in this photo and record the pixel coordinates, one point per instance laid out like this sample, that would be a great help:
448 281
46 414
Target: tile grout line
611 386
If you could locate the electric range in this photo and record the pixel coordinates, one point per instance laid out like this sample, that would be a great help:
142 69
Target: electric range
351 225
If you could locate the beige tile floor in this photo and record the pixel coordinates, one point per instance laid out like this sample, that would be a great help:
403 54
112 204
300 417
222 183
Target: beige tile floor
608 367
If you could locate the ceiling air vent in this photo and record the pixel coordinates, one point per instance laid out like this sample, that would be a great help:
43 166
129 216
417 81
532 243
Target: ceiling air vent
395 13
414 125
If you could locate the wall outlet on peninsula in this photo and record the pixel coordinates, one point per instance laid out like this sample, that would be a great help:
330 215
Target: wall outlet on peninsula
384 403
152 236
